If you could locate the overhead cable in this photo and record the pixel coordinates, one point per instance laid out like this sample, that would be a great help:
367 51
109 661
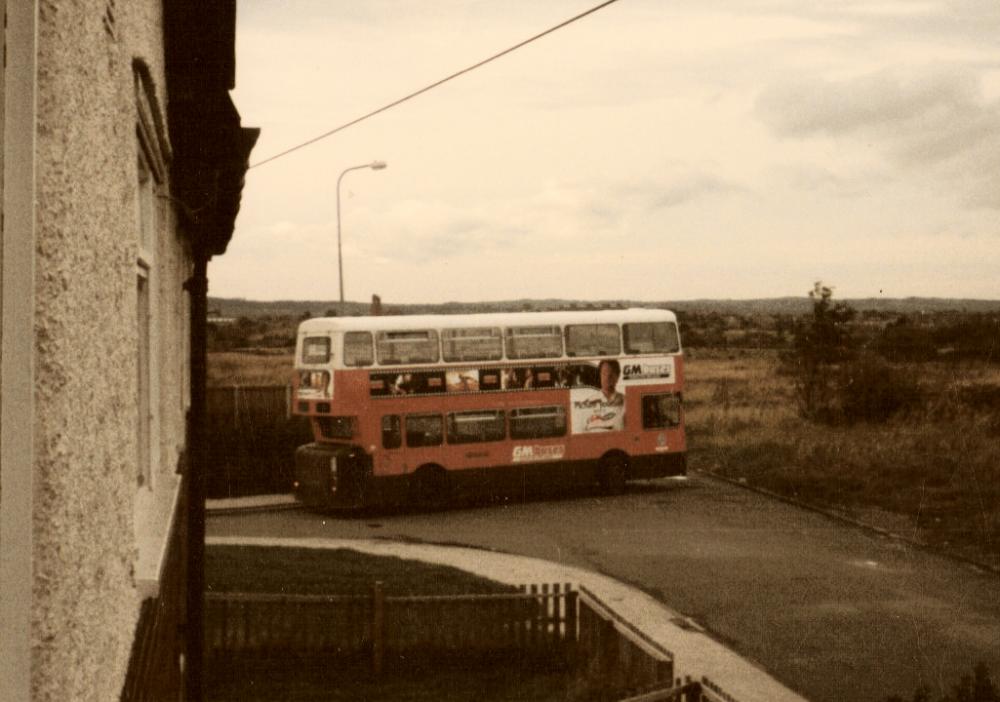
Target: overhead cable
423 90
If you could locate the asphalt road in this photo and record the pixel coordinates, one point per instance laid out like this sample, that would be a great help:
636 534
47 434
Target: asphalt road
827 608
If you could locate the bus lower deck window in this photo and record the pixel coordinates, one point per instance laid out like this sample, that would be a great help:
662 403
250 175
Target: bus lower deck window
475 426
424 430
537 422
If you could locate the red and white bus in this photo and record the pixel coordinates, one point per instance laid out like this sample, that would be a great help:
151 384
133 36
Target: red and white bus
425 408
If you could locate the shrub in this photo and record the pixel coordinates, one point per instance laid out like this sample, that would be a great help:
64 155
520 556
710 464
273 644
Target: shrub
871 390
821 344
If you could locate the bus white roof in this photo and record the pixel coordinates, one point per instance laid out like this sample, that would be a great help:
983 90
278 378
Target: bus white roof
326 325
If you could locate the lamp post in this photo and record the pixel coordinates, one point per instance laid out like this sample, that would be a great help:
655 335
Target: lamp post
375 166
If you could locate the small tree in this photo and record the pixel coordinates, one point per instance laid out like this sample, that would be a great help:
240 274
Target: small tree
820 345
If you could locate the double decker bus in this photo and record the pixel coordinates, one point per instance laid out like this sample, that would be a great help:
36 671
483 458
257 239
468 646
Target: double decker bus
423 409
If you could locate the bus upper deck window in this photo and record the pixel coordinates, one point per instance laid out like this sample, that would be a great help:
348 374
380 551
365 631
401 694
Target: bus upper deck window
472 344
592 340
651 337
534 342
358 350
402 347
316 349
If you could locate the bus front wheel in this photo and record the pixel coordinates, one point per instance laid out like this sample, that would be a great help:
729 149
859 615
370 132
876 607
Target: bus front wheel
429 488
613 472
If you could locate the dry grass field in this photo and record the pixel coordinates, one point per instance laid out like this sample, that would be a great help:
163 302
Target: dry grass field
271 367
933 472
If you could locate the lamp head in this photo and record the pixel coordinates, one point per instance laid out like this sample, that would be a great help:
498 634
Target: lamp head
377 165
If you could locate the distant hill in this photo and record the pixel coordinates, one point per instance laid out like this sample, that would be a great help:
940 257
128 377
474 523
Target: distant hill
238 307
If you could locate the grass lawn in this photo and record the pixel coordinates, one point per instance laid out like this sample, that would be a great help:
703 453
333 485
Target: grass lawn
312 681
317 571
343 572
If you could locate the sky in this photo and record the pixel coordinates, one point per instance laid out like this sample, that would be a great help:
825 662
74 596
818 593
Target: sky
653 150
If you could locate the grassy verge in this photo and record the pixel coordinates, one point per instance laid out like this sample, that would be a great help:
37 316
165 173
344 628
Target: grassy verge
934 471
317 571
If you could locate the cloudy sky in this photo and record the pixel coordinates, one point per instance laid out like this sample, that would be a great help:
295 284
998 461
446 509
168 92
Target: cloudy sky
654 150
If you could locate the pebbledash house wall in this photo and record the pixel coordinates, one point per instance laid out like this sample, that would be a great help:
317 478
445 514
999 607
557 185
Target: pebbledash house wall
101 520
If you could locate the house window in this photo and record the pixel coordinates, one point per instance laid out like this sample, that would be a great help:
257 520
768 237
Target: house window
143 400
147 395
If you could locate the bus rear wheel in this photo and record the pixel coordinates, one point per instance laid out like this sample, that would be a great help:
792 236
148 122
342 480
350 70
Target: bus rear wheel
612 473
429 488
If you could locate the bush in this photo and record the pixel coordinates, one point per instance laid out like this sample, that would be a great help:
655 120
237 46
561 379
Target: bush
871 390
821 345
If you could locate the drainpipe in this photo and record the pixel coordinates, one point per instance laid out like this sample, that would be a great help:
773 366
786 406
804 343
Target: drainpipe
19 40
197 287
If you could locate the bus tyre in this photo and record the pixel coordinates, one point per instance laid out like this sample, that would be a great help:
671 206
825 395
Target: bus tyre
429 488
613 473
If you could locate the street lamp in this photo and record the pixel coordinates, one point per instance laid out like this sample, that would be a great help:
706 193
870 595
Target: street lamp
375 166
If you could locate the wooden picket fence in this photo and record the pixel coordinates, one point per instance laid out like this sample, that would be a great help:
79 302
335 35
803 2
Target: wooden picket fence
619 659
538 621
554 624
686 690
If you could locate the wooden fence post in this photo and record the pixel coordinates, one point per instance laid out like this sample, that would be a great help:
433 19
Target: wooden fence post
571 634
378 628
236 407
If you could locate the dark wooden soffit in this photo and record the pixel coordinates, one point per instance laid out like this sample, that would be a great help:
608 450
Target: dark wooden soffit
211 148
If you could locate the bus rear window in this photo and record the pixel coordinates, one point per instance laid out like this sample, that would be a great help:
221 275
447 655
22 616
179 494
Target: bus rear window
537 422
475 426
358 349
316 349
424 430
661 410
651 337
478 344
592 340
336 427
534 342
402 347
